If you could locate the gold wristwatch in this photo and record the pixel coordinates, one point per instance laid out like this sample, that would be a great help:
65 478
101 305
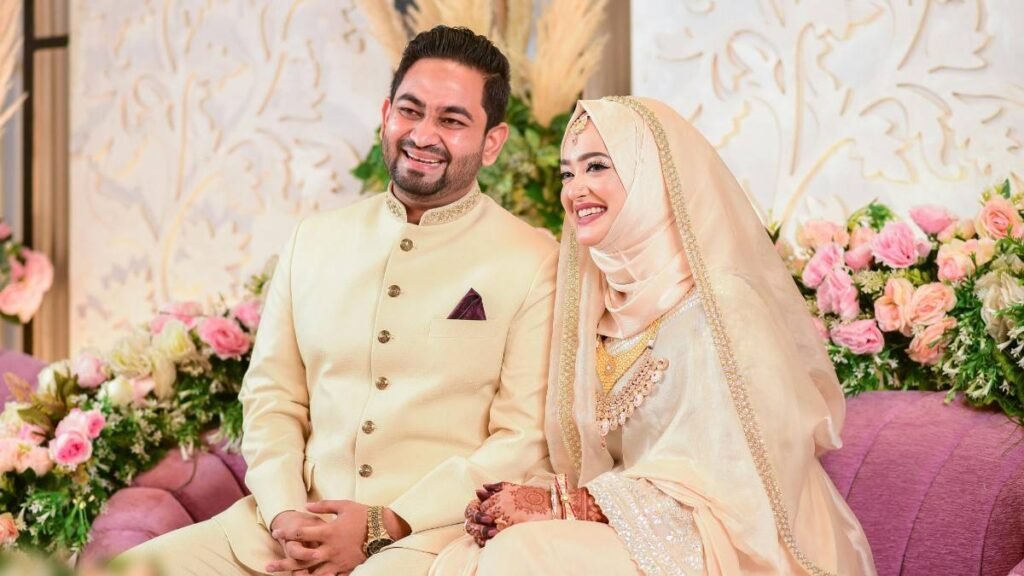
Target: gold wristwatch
376 536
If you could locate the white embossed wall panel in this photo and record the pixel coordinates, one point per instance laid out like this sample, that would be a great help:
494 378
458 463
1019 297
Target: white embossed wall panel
819 106
202 130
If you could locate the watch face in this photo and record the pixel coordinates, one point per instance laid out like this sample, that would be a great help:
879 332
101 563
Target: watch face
378 545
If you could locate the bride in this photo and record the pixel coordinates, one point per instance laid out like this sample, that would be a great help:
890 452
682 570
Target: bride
690 395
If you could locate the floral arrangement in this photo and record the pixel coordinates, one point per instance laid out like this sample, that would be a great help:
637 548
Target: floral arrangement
525 178
25 277
92 424
935 303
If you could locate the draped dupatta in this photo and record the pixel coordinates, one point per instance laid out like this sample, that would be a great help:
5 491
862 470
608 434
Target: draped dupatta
787 405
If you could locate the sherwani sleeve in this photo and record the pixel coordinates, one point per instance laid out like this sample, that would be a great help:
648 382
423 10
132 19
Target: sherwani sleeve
515 445
275 403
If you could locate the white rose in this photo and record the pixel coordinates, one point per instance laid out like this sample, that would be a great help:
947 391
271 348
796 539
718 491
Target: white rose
10 421
164 375
130 356
47 378
175 342
119 391
997 290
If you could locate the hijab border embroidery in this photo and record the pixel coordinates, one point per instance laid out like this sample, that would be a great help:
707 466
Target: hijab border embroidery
737 386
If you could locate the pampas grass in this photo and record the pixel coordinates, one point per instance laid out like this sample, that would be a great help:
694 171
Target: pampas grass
10 12
567 42
387 27
567 54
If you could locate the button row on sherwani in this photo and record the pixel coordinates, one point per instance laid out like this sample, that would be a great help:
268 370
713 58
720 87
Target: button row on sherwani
369 427
405 245
366 470
394 290
382 383
384 337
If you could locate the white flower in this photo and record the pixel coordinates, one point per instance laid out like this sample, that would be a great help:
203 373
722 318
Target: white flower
10 421
164 375
47 378
130 357
119 390
174 342
998 290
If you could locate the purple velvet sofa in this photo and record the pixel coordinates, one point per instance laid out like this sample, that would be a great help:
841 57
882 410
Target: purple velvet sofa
938 488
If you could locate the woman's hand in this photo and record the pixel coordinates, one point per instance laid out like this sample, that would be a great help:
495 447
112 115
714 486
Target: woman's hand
499 506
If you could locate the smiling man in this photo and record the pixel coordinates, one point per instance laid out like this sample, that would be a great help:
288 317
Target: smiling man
401 360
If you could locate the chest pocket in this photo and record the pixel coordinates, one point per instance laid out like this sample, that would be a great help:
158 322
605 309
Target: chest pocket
467 351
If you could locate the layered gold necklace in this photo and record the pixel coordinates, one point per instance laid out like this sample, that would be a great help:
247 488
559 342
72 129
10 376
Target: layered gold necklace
614 409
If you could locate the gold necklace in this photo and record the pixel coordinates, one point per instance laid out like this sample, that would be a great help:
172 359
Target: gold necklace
614 409
611 367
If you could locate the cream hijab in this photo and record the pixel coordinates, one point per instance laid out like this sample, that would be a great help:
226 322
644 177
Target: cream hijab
788 406
643 266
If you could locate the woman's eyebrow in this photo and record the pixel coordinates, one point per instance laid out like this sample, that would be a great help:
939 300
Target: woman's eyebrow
587 156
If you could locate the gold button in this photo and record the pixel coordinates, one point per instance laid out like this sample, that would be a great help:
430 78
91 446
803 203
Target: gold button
394 290
382 383
369 427
406 244
366 470
384 337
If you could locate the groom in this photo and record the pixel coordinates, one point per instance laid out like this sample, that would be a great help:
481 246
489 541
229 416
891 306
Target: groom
402 357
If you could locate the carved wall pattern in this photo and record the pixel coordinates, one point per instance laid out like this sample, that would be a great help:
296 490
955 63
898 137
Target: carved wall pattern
202 130
819 106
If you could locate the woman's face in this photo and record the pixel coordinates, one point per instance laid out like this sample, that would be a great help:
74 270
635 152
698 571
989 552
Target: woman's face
592 193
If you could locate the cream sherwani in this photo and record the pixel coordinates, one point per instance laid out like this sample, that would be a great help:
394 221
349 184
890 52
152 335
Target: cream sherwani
360 388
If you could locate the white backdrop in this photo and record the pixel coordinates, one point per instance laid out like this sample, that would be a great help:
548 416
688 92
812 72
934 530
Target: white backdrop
819 106
201 132
203 129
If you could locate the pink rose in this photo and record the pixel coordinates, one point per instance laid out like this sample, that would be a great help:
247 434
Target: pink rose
930 304
187 312
861 236
892 310
816 233
861 337
895 246
859 258
70 449
88 424
32 434
91 370
999 218
931 219
29 282
838 295
248 313
141 387
8 529
954 262
963 229
5 231
36 459
225 336
828 258
819 324
929 345
983 249
10 454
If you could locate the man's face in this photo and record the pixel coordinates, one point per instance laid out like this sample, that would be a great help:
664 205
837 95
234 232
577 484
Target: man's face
433 135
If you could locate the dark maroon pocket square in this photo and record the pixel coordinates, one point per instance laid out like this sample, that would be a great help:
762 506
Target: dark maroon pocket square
471 307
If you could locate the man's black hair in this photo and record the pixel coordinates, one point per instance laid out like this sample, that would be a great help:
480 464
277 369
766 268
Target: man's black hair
471 50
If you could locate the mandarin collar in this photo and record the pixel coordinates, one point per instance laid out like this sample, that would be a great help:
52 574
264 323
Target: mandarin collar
436 216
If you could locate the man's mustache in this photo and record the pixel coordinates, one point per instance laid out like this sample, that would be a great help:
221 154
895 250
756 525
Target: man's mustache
438 151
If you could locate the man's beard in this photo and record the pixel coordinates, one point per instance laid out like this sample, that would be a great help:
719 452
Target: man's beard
458 174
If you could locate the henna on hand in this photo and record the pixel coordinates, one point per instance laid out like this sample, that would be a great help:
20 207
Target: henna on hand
585 506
